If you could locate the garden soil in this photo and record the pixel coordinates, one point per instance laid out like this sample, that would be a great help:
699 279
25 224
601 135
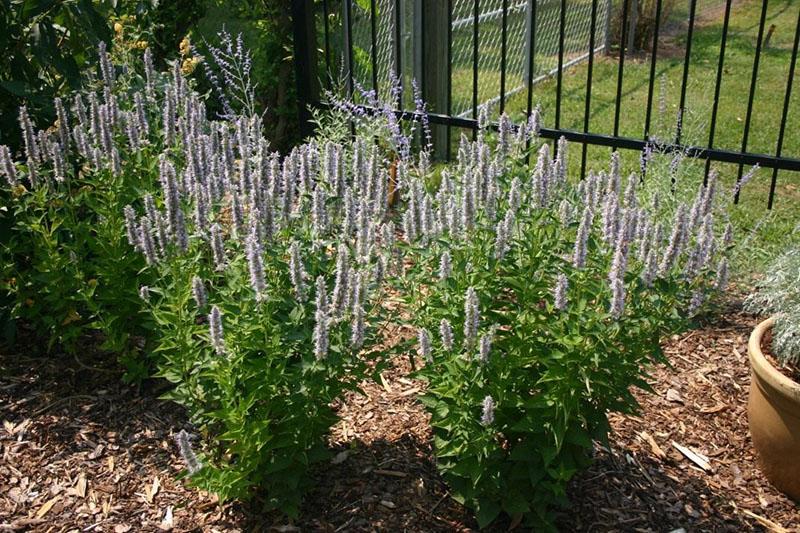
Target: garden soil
81 451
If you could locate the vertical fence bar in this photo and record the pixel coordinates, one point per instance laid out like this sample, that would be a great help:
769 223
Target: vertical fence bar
327 30
787 98
475 22
449 148
621 68
373 17
305 50
531 50
685 79
562 21
718 84
588 100
752 94
503 54
652 80
347 22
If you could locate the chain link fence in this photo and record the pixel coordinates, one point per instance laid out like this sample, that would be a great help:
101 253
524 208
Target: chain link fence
545 45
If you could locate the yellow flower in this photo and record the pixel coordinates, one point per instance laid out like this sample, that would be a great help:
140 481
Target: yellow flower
18 190
118 28
141 45
189 64
184 46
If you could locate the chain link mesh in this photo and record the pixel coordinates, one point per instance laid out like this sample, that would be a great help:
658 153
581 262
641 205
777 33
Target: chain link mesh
577 28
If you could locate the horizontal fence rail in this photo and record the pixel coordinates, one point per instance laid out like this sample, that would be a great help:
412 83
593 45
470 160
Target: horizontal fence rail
568 56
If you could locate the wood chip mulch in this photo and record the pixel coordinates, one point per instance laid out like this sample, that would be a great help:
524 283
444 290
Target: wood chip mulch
81 451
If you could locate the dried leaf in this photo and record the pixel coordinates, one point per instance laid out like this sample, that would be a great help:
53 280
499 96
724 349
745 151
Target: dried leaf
697 458
674 396
80 486
654 447
151 491
167 522
47 506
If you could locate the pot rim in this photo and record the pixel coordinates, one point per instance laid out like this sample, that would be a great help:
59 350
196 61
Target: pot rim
765 371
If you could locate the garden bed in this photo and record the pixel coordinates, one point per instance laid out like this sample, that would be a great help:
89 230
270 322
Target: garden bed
82 450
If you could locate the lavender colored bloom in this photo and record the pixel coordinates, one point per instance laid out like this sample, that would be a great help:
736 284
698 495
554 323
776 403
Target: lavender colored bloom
582 238
445 266
319 213
297 272
471 317
63 124
424 348
217 247
80 110
617 306
193 465
504 134
696 302
321 320
409 226
675 241
31 148
745 179
515 194
727 236
130 226
485 348
7 165
341 285
106 68
560 292
256 266
446 334
146 244
629 200
357 328
650 267
144 293
215 330
721 280
611 219
614 178
487 414
619 264
149 74
199 292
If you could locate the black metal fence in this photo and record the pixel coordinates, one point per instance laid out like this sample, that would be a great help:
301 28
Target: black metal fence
446 45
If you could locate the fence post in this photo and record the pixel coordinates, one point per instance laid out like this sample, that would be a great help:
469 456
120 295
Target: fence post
529 43
632 26
607 31
431 21
305 62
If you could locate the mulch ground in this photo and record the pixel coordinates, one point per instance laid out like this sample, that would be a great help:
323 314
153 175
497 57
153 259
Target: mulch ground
81 451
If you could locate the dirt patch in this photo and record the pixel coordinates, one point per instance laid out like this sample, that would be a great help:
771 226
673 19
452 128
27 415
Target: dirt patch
82 451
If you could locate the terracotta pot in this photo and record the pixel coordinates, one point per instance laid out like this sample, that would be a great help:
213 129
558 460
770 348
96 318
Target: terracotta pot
773 412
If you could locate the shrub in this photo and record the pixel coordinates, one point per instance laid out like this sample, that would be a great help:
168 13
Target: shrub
778 293
66 268
539 303
266 279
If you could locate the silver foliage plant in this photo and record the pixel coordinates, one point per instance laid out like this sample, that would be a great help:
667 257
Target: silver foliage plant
778 293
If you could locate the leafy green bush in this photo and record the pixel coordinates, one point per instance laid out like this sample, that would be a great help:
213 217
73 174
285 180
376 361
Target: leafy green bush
265 279
778 293
539 304
66 268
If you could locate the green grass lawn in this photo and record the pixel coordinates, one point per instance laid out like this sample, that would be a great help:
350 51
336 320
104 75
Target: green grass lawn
779 227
